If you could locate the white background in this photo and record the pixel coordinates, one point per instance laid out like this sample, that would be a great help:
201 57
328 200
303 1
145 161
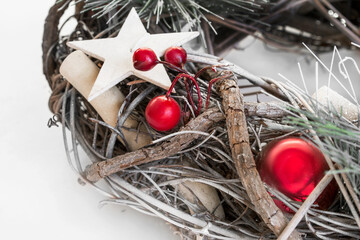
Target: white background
39 194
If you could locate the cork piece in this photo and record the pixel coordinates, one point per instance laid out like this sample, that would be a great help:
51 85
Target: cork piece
329 97
81 72
196 191
207 195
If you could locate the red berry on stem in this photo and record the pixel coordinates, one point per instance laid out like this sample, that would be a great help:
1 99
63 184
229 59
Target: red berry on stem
144 59
162 113
191 78
176 56
294 167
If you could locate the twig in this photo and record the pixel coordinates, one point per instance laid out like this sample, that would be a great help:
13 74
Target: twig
147 201
241 152
51 36
203 122
305 206
193 57
344 30
208 40
264 110
350 189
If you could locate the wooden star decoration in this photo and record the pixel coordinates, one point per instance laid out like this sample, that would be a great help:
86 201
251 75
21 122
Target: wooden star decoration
116 53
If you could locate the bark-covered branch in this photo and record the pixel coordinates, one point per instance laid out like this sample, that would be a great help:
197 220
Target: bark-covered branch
245 165
171 147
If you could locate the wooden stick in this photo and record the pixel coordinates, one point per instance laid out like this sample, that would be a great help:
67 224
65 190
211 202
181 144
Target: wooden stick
244 161
305 206
202 123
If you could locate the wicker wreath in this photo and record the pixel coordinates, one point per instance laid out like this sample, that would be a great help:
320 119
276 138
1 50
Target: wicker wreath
215 150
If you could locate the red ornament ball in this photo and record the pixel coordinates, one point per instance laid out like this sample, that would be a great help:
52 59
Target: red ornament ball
294 167
144 59
176 56
162 113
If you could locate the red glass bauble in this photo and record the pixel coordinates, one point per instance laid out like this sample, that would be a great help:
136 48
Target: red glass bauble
294 167
162 113
144 59
176 56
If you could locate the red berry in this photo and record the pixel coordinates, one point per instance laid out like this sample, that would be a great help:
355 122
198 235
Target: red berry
144 59
294 167
163 113
176 56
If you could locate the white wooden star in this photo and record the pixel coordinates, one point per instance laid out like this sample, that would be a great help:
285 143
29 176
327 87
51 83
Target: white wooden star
117 54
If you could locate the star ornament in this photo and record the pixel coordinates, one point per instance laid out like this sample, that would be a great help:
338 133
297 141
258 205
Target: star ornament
116 53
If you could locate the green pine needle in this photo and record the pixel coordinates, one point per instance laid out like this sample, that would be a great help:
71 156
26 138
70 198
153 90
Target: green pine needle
190 12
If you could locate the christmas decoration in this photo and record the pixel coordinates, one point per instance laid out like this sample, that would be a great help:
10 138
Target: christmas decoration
163 113
117 54
144 59
176 56
294 167
201 176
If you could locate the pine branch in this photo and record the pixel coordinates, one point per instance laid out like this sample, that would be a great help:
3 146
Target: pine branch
192 12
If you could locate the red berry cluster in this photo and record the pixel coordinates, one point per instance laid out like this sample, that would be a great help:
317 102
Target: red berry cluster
145 59
163 112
